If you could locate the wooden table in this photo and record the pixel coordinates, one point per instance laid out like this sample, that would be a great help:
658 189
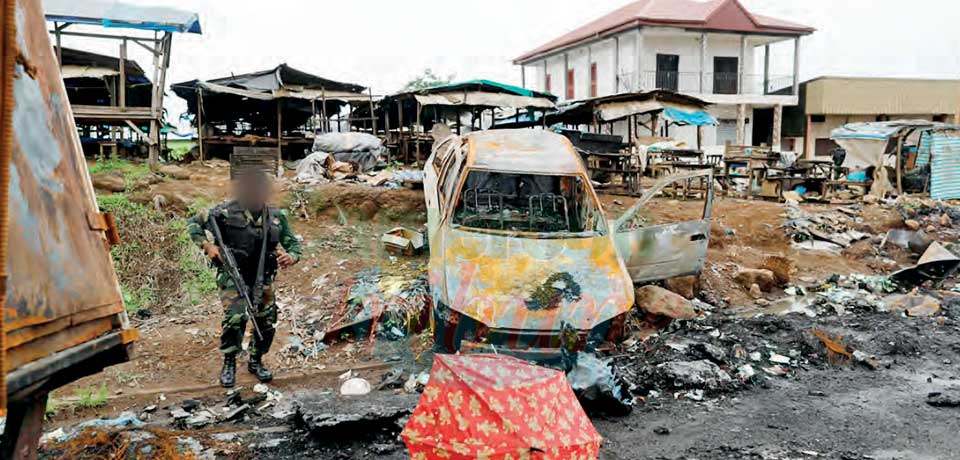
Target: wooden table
623 164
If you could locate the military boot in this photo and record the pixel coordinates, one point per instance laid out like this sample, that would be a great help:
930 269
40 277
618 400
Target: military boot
256 367
228 375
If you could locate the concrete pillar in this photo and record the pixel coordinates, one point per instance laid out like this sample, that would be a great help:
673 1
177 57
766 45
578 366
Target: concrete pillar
741 67
741 124
796 66
703 62
766 69
566 71
616 65
777 124
637 62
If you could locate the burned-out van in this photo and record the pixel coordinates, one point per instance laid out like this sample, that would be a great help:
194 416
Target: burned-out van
521 254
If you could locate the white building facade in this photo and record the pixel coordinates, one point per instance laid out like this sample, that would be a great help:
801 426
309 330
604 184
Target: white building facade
715 50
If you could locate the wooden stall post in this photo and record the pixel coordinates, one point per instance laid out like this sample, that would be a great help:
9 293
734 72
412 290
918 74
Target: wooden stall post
123 74
419 108
279 138
373 117
323 110
200 121
400 142
386 129
899 164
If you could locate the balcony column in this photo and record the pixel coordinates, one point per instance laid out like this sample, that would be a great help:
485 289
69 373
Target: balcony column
766 69
796 66
616 65
566 73
741 124
740 64
777 124
703 61
638 52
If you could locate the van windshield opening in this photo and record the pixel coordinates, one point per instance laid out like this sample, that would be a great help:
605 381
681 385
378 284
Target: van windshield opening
527 203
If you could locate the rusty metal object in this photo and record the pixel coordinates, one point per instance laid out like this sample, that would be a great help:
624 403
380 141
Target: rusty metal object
837 352
61 292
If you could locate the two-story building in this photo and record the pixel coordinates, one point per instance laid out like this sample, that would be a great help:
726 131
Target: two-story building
714 50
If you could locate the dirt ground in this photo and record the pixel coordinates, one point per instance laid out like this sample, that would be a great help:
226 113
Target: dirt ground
818 410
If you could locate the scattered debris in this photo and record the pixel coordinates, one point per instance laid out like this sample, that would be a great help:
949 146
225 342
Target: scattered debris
596 386
402 240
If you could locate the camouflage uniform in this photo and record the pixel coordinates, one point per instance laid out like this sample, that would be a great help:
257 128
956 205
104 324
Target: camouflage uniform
242 233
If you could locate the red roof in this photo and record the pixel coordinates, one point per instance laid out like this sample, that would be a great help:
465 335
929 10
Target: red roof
718 15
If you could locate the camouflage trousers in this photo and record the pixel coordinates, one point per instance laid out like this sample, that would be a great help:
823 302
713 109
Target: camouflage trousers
235 322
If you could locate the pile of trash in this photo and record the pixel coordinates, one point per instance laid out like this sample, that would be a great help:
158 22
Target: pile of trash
351 157
827 231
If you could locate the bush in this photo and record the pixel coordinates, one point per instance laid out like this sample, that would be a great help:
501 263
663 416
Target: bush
157 263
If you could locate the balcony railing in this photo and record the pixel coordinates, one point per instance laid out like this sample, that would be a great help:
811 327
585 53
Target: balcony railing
711 83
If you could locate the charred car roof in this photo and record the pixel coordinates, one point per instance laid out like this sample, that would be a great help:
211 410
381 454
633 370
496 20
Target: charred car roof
525 151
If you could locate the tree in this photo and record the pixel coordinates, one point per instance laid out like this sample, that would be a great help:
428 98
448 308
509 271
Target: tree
427 79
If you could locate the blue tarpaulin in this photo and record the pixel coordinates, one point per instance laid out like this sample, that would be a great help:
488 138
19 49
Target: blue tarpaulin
681 117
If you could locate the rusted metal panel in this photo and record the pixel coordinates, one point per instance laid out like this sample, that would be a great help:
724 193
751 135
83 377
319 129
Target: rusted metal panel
62 289
665 251
522 151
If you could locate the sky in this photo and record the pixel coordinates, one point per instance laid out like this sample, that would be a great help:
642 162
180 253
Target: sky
383 44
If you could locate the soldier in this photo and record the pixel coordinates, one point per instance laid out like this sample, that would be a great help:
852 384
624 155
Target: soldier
241 223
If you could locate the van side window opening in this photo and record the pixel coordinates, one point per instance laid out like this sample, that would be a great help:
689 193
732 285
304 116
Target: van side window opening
526 203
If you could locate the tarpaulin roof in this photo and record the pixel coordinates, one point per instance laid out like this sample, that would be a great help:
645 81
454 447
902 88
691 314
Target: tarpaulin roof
282 81
108 13
877 130
498 407
619 106
695 118
485 85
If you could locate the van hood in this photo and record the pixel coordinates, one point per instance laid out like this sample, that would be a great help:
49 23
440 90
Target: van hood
516 283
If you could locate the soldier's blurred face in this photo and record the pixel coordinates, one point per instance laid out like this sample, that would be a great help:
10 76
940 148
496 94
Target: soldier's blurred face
252 190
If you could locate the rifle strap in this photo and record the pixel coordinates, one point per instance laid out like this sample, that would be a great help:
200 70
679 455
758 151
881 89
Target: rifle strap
264 235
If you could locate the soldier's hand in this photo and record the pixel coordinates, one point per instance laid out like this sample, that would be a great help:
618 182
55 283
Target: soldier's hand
285 260
213 251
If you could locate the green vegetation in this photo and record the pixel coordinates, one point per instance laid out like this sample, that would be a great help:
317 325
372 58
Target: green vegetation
52 409
179 148
128 169
157 263
90 397
427 79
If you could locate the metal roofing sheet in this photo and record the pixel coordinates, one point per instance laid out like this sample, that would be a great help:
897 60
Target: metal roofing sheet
109 13
890 96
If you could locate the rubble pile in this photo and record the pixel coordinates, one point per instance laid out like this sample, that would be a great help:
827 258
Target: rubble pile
831 230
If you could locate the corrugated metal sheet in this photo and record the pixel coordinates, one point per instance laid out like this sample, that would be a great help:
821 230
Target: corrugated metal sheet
484 99
109 13
945 166
890 96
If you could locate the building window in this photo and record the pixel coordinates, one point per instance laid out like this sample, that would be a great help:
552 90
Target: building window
593 79
818 118
547 85
668 71
725 74
570 88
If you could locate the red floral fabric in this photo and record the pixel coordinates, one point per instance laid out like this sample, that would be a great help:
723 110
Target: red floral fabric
496 407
